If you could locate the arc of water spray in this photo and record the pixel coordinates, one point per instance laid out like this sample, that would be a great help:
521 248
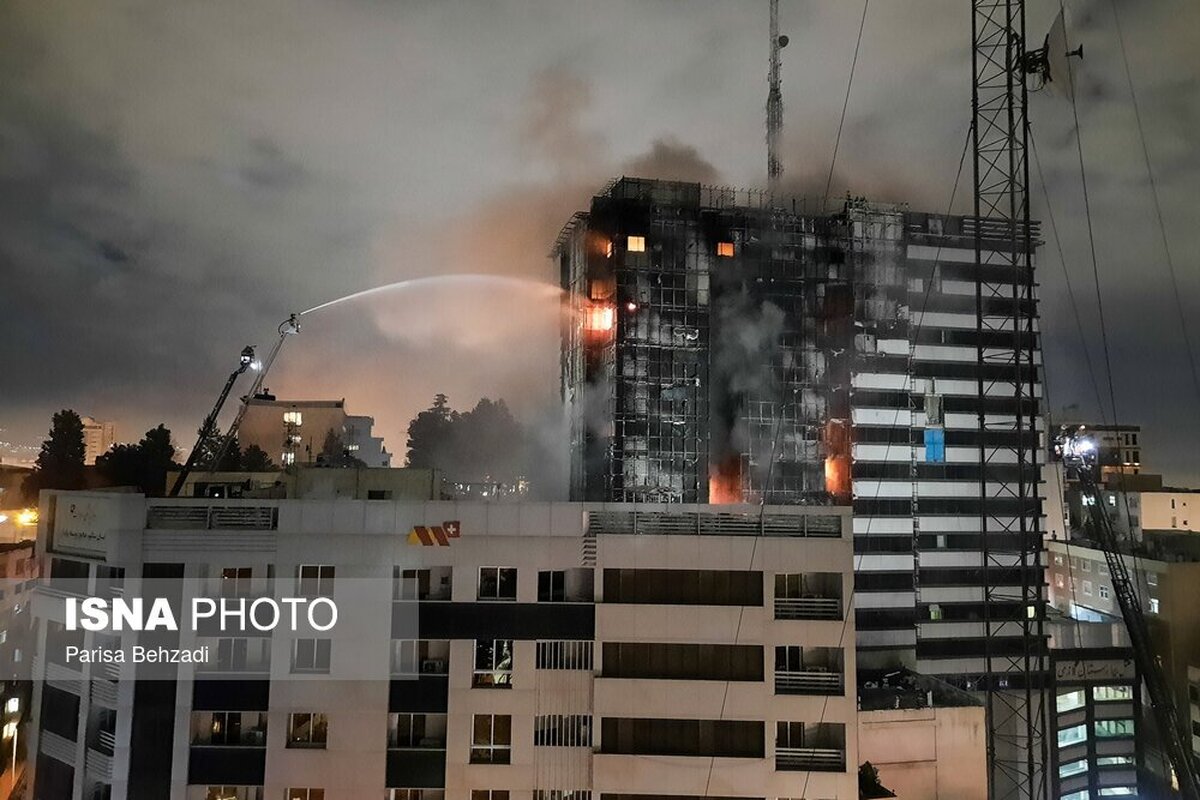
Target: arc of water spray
431 279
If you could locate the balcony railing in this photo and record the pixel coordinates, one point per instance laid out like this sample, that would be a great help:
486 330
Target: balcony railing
808 608
193 517
814 759
816 680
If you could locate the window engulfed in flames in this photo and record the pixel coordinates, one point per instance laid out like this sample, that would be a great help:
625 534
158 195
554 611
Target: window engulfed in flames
725 482
599 318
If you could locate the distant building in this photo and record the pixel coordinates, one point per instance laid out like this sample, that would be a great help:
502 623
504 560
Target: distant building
98 438
1120 448
534 651
1194 706
1081 588
294 431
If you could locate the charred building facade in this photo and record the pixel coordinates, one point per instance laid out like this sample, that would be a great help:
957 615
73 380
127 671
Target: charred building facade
721 347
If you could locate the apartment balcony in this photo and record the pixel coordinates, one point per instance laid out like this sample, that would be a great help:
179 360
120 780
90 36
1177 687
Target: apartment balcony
809 759
817 680
99 765
823 608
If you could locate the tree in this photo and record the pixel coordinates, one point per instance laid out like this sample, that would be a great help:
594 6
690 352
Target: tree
255 459
334 453
429 434
60 463
143 465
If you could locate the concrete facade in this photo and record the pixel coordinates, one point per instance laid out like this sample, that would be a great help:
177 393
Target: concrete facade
98 437
927 753
294 431
546 650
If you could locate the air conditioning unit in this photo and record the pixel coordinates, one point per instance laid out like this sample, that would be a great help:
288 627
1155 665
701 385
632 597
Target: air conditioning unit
433 666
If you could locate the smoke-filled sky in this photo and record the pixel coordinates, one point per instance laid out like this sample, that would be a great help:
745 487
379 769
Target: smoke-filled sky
175 177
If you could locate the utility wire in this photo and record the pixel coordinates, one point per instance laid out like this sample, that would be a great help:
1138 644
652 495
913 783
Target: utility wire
845 104
1162 228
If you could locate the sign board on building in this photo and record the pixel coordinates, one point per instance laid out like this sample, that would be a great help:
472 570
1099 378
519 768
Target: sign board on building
1084 669
82 525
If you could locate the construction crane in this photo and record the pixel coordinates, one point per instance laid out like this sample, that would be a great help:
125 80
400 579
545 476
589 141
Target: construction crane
245 362
1015 649
288 327
774 103
1078 451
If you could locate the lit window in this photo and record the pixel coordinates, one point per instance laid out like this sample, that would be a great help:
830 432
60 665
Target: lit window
1072 768
491 739
1069 701
233 793
1058 559
293 418
305 794
636 244
1073 735
288 458
1118 791
1153 605
1081 795
608 249
725 249
307 730
1113 761
1106 693
493 663
1107 728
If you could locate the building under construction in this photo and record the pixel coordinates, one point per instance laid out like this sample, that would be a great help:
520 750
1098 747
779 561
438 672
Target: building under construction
724 347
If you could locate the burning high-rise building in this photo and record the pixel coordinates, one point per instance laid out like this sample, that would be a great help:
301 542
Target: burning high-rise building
722 347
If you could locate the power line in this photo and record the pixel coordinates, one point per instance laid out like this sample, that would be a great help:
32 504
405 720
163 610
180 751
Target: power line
1162 228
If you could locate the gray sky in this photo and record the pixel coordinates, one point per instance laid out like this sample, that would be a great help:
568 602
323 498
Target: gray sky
176 177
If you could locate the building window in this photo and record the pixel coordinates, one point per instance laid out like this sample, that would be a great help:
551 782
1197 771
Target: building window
413 657
489 794
1069 701
497 583
1058 559
493 664
1105 694
229 729
564 655
1072 768
1081 795
1103 590
234 793
552 586
421 584
1117 791
1085 565
562 794
1073 735
1108 728
315 580
305 794
725 249
1058 580
1153 605
1113 761
311 655
293 418
635 244
562 730
1152 578
235 581
1087 588
491 739
307 730
417 730
415 794
287 458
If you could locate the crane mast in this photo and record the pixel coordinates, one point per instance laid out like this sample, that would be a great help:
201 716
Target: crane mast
774 103
1013 608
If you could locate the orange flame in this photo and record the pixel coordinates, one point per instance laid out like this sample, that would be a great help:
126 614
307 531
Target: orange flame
725 483
599 318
